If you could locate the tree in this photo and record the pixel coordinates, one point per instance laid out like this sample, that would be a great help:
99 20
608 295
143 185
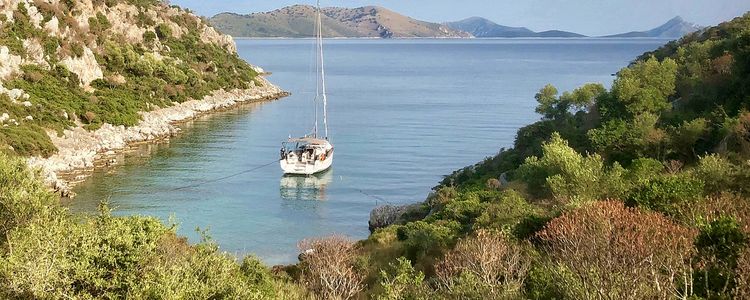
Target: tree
496 263
553 107
568 175
549 106
403 282
646 86
585 96
327 267
624 140
686 137
608 251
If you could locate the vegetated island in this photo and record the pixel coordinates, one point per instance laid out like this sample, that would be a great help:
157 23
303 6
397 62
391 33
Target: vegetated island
81 78
297 21
639 191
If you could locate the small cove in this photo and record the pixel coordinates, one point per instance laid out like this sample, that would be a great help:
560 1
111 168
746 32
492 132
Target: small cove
402 113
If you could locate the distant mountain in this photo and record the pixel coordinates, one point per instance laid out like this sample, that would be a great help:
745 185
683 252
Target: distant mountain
674 28
298 21
483 28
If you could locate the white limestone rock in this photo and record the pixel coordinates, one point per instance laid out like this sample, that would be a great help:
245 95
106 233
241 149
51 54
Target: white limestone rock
9 64
86 67
52 27
79 148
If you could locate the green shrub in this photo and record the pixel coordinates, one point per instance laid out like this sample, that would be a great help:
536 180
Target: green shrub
719 245
665 192
466 286
541 284
23 197
463 211
47 253
565 174
644 169
505 212
163 31
422 239
99 24
149 37
531 224
401 281
716 172
27 140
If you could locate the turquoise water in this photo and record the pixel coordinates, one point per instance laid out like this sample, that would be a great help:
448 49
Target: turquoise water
402 114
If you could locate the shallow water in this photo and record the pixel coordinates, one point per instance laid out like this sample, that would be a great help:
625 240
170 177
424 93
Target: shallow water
402 114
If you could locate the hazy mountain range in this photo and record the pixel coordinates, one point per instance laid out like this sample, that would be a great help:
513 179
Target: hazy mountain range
481 27
377 22
674 28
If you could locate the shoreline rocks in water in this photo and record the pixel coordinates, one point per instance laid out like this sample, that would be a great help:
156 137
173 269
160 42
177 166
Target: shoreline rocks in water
387 215
79 149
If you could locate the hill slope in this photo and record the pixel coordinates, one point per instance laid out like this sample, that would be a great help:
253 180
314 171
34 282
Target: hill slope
483 28
298 21
88 63
674 28
657 167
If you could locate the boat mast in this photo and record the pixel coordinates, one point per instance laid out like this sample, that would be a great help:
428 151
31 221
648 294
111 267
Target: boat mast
322 73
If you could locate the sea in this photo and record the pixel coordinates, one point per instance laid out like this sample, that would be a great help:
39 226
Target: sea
401 115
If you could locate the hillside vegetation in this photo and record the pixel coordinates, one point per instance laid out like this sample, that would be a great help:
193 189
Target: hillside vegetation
635 192
90 62
299 21
639 191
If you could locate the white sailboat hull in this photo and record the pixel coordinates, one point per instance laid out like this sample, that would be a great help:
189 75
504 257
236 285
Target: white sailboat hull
293 166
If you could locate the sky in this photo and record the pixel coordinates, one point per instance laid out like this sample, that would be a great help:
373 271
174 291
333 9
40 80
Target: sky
589 17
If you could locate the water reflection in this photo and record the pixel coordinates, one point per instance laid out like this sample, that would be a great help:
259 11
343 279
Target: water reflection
305 188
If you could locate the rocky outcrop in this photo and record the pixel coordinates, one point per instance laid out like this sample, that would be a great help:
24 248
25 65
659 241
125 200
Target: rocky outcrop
86 67
226 41
79 148
9 63
387 215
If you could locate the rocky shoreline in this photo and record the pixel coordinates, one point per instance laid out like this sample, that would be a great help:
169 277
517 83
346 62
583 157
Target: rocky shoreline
79 149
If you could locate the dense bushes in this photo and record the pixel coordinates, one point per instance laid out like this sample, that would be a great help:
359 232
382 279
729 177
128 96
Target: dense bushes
565 174
496 265
636 192
46 253
608 251
665 193
328 267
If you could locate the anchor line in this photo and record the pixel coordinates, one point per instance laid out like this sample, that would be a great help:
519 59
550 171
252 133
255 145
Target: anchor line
377 198
224 178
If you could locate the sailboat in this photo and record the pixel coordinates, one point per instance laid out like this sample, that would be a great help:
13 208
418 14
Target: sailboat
311 153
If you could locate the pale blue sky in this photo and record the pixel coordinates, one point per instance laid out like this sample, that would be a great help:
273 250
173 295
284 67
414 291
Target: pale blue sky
590 17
